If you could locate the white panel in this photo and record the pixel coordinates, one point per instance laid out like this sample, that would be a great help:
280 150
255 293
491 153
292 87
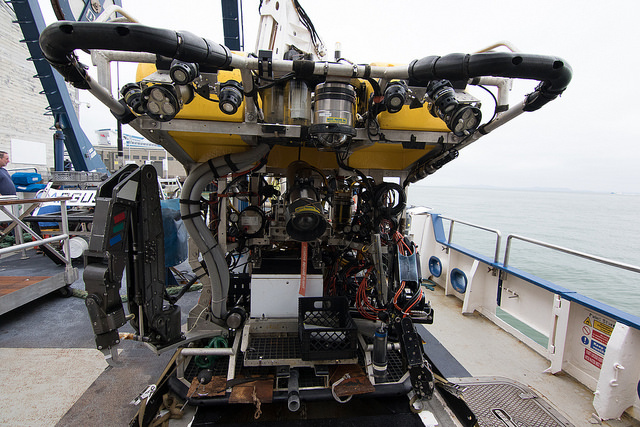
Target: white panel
277 295
28 152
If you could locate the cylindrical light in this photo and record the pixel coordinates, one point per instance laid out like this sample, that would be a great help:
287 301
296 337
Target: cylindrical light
394 96
183 73
133 97
230 96
160 102
461 118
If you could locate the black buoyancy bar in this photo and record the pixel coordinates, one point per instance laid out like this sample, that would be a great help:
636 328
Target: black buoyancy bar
60 39
553 72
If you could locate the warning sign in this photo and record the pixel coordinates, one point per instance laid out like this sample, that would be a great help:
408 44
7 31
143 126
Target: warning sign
598 347
596 331
602 327
593 358
599 336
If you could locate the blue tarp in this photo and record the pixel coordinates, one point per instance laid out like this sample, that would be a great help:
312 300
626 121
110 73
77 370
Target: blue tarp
175 233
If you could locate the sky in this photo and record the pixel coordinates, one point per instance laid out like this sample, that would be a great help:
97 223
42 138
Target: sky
585 141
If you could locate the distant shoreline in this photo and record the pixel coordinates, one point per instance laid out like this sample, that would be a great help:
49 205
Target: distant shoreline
536 189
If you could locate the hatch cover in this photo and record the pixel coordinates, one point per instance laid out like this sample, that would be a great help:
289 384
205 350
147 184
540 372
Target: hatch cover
501 402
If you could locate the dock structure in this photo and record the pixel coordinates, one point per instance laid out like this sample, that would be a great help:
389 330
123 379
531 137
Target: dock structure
24 274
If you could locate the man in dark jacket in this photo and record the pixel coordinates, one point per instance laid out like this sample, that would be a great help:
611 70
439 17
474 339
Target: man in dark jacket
6 184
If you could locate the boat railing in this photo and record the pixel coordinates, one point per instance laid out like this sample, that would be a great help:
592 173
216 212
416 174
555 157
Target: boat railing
568 251
578 335
18 224
453 221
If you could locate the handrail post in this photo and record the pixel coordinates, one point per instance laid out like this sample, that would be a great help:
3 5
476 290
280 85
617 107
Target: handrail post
452 221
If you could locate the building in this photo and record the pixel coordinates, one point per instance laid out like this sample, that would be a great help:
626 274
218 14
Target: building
136 150
26 131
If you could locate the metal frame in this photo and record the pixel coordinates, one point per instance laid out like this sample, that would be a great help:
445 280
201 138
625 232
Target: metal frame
29 293
480 227
584 255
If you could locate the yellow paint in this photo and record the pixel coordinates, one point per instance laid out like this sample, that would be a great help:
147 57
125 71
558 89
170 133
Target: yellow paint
605 329
418 119
307 208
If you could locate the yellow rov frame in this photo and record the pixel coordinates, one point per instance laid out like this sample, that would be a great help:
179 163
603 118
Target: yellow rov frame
201 143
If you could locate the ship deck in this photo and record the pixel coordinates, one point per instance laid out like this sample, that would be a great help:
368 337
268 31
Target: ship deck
53 374
485 350
25 280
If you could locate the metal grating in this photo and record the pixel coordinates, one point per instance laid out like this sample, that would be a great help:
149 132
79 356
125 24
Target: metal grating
395 367
500 402
219 367
273 347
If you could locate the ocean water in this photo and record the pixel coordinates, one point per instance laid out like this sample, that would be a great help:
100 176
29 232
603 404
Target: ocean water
605 225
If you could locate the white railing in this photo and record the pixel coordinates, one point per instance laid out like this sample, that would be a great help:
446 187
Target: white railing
595 343
17 223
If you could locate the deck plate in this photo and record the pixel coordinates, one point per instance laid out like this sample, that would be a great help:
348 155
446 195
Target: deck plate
501 402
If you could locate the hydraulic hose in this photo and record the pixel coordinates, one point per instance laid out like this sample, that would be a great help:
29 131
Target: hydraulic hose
553 72
59 40
207 243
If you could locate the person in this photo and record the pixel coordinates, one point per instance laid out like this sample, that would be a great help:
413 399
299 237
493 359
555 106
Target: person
7 188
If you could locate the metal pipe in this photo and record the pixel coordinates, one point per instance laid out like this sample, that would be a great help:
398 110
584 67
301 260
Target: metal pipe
112 10
31 244
584 255
390 346
503 43
104 96
311 68
503 118
480 227
64 225
293 399
208 352
102 60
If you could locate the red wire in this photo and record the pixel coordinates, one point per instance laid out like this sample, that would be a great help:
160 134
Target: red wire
414 303
362 301
395 298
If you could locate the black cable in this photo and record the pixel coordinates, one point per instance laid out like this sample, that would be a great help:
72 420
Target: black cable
389 189
174 299
277 81
367 183
495 101
306 21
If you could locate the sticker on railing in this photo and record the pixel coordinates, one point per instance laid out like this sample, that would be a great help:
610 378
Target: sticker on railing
596 331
